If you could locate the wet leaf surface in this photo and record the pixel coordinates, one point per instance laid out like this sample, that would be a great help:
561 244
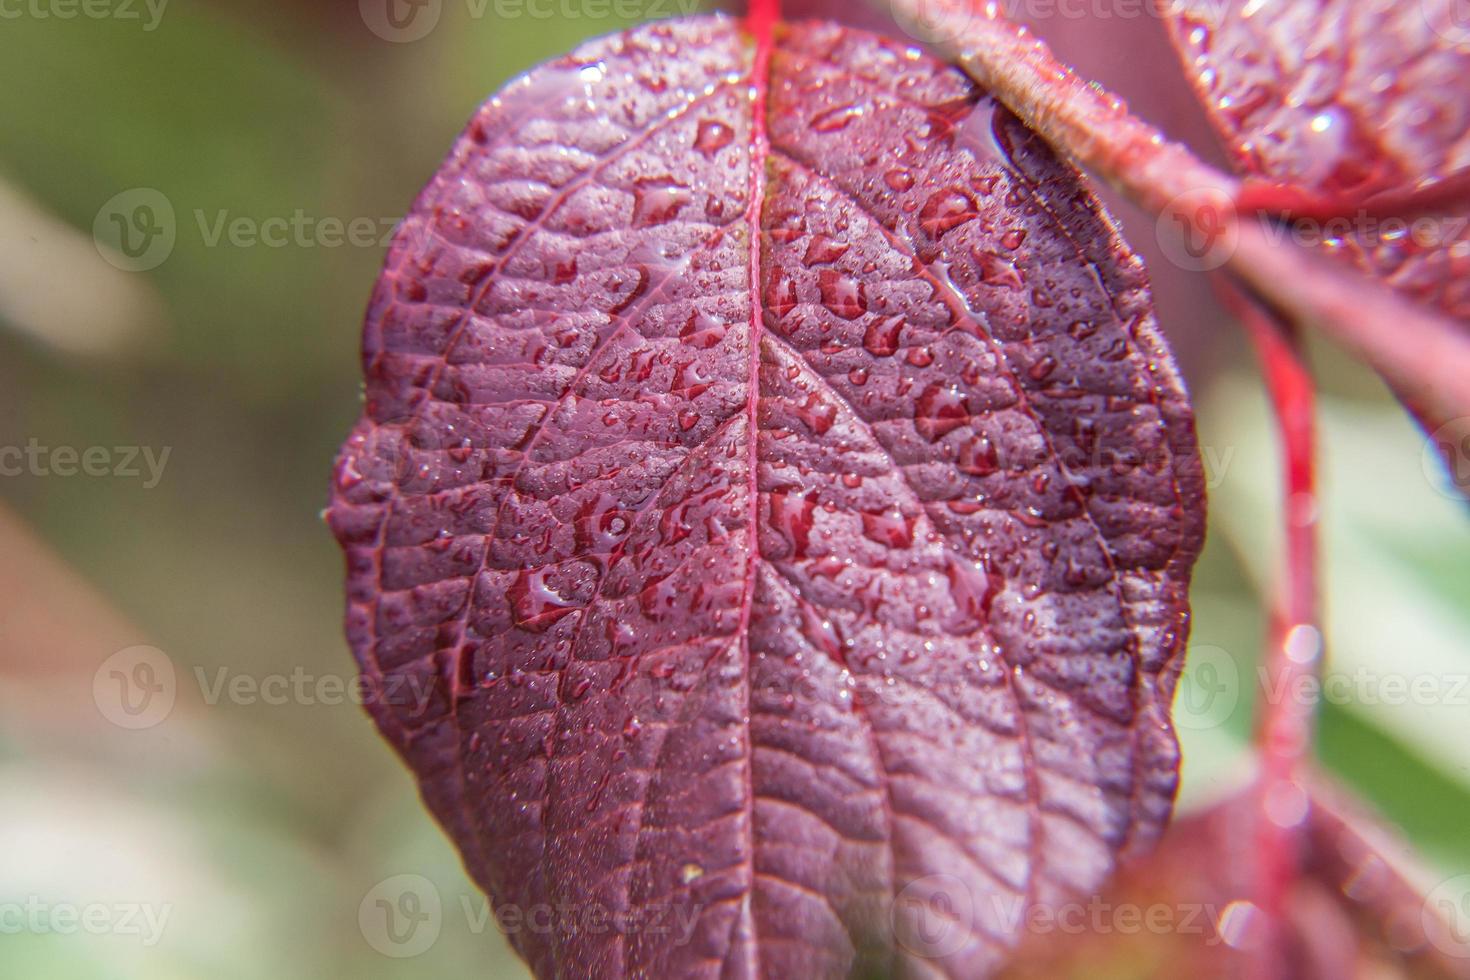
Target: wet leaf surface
1358 115
773 467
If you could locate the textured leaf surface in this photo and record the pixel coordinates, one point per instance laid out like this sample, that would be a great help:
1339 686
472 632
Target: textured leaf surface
1350 100
797 592
1354 102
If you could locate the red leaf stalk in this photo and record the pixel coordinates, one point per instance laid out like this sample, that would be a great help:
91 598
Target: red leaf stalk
1294 647
1415 348
761 17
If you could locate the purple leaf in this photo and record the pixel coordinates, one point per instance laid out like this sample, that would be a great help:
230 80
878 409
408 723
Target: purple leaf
1362 113
770 603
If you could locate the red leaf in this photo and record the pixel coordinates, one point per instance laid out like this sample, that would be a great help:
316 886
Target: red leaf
1359 117
769 600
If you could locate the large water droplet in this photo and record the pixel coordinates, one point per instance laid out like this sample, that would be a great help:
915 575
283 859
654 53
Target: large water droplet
658 203
939 410
791 516
979 457
889 528
843 295
836 119
535 603
996 270
780 294
824 249
712 137
945 210
881 337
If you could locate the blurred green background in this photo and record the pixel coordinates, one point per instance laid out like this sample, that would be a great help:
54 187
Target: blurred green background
258 834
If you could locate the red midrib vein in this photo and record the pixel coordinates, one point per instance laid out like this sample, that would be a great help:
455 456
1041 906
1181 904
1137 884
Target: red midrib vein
760 24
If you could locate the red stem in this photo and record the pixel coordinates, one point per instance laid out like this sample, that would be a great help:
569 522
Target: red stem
1293 653
761 16
1416 348
1447 194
